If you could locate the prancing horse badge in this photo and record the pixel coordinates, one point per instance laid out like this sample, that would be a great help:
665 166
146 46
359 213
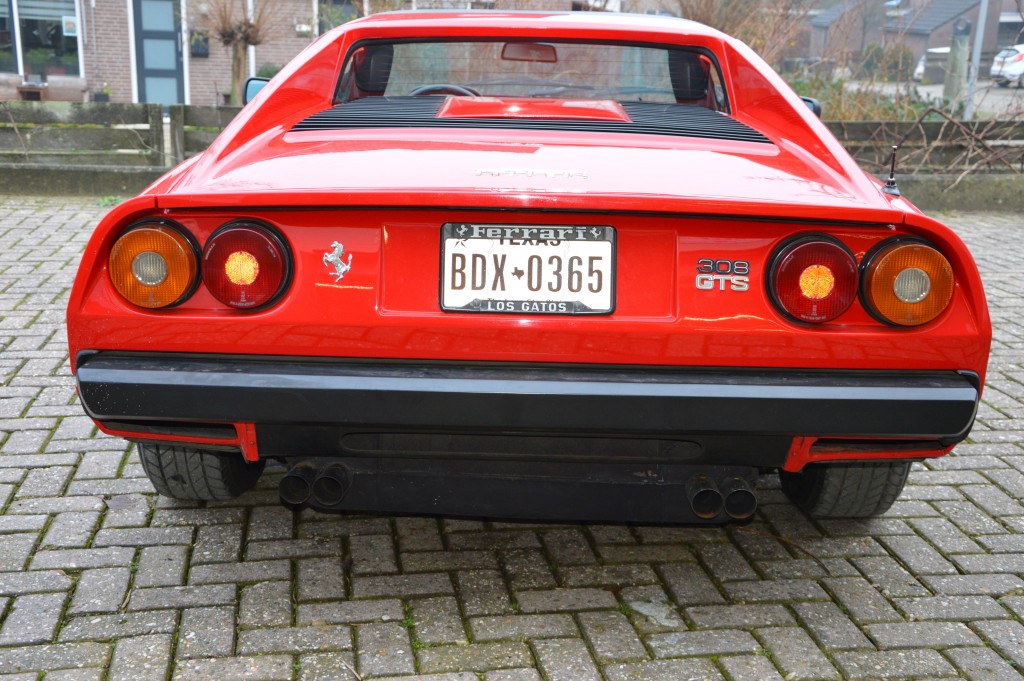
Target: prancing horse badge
334 259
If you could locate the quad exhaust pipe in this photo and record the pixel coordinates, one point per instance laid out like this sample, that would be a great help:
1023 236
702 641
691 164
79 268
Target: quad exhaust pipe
324 487
297 484
740 500
330 485
707 499
320 487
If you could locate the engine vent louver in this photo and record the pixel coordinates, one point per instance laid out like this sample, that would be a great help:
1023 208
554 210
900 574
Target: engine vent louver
677 120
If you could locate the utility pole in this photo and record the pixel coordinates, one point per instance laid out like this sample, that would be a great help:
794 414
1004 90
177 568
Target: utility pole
972 78
956 68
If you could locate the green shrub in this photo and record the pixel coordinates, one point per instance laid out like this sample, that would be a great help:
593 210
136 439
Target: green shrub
268 70
895 63
843 100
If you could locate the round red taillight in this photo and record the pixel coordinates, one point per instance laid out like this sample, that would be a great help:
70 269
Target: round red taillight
813 279
245 265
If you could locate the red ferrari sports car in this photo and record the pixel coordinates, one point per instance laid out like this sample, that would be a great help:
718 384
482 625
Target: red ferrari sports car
577 265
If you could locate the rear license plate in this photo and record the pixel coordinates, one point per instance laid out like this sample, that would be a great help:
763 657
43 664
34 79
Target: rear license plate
528 269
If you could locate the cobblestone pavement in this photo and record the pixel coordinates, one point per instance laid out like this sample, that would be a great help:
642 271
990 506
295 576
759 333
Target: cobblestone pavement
101 579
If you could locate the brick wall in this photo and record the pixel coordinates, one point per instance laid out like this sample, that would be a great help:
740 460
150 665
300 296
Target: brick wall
284 42
532 5
210 77
107 49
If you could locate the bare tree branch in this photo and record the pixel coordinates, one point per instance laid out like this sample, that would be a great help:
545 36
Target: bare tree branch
237 30
770 27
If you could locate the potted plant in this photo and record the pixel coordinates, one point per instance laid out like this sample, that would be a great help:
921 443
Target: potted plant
102 94
199 44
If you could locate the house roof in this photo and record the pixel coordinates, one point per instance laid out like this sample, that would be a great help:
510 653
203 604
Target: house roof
923 21
926 20
829 15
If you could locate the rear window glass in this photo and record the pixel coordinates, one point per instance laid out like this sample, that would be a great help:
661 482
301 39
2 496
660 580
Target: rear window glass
563 70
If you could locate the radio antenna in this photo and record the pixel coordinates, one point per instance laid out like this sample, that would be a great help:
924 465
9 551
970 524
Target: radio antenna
890 187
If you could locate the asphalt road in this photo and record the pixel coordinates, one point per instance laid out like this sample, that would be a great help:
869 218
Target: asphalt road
990 101
102 580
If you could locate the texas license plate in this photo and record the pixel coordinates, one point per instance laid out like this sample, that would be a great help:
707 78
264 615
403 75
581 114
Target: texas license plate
528 269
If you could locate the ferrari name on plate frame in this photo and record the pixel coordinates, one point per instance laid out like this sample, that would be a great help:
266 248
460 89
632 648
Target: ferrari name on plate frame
528 269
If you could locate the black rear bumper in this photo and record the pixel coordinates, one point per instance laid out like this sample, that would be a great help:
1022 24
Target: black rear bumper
318 402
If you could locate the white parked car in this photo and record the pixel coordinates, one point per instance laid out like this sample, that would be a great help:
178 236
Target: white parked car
935 56
1008 66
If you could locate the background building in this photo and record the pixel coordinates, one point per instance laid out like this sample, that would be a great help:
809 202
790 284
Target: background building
173 51
845 29
164 51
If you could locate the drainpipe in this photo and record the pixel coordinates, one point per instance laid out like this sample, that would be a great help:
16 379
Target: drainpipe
80 37
16 32
251 49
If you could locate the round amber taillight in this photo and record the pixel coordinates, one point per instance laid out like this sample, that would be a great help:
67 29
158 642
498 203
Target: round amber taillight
153 266
245 265
908 283
813 279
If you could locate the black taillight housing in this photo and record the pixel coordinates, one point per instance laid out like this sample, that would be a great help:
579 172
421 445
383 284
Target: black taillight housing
813 278
154 264
246 265
907 282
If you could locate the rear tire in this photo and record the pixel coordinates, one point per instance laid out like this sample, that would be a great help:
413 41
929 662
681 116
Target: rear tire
198 474
846 490
1003 83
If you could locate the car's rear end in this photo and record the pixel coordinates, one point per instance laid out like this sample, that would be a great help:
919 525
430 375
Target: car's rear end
533 306
1008 66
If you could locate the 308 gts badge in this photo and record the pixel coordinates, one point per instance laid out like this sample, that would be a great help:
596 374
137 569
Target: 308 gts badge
712 274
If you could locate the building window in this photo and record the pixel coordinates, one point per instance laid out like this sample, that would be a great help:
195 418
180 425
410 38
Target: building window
334 13
48 38
7 60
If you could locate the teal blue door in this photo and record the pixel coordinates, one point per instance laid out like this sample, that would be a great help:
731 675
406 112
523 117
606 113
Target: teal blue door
158 56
